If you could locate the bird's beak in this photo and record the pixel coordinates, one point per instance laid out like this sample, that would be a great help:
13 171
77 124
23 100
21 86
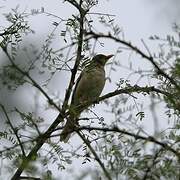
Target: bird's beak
109 56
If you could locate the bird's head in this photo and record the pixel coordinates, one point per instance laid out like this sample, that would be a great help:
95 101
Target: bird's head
101 59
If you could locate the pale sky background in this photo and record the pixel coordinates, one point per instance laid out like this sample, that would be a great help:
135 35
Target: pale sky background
138 18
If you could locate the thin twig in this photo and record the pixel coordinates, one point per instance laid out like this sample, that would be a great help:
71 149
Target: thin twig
145 45
14 130
101 14
86 141
16 145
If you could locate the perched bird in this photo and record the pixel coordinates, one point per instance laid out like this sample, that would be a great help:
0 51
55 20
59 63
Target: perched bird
89 86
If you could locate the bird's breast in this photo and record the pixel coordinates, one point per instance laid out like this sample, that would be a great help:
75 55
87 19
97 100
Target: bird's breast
90 85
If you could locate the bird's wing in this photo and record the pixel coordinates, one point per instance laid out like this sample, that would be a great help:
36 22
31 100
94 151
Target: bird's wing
75 88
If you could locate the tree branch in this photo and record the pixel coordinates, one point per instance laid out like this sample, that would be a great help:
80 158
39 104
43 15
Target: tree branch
29 178
78 56
127 90
86 141
42 138
136 136
40 141
137 50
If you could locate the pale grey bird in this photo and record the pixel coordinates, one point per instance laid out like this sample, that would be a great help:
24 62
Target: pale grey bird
89 86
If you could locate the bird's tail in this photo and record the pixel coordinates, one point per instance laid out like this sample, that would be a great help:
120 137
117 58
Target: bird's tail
66 133
65 137
71 123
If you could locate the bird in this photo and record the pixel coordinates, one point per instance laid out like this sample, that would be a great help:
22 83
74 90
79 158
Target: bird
89 86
